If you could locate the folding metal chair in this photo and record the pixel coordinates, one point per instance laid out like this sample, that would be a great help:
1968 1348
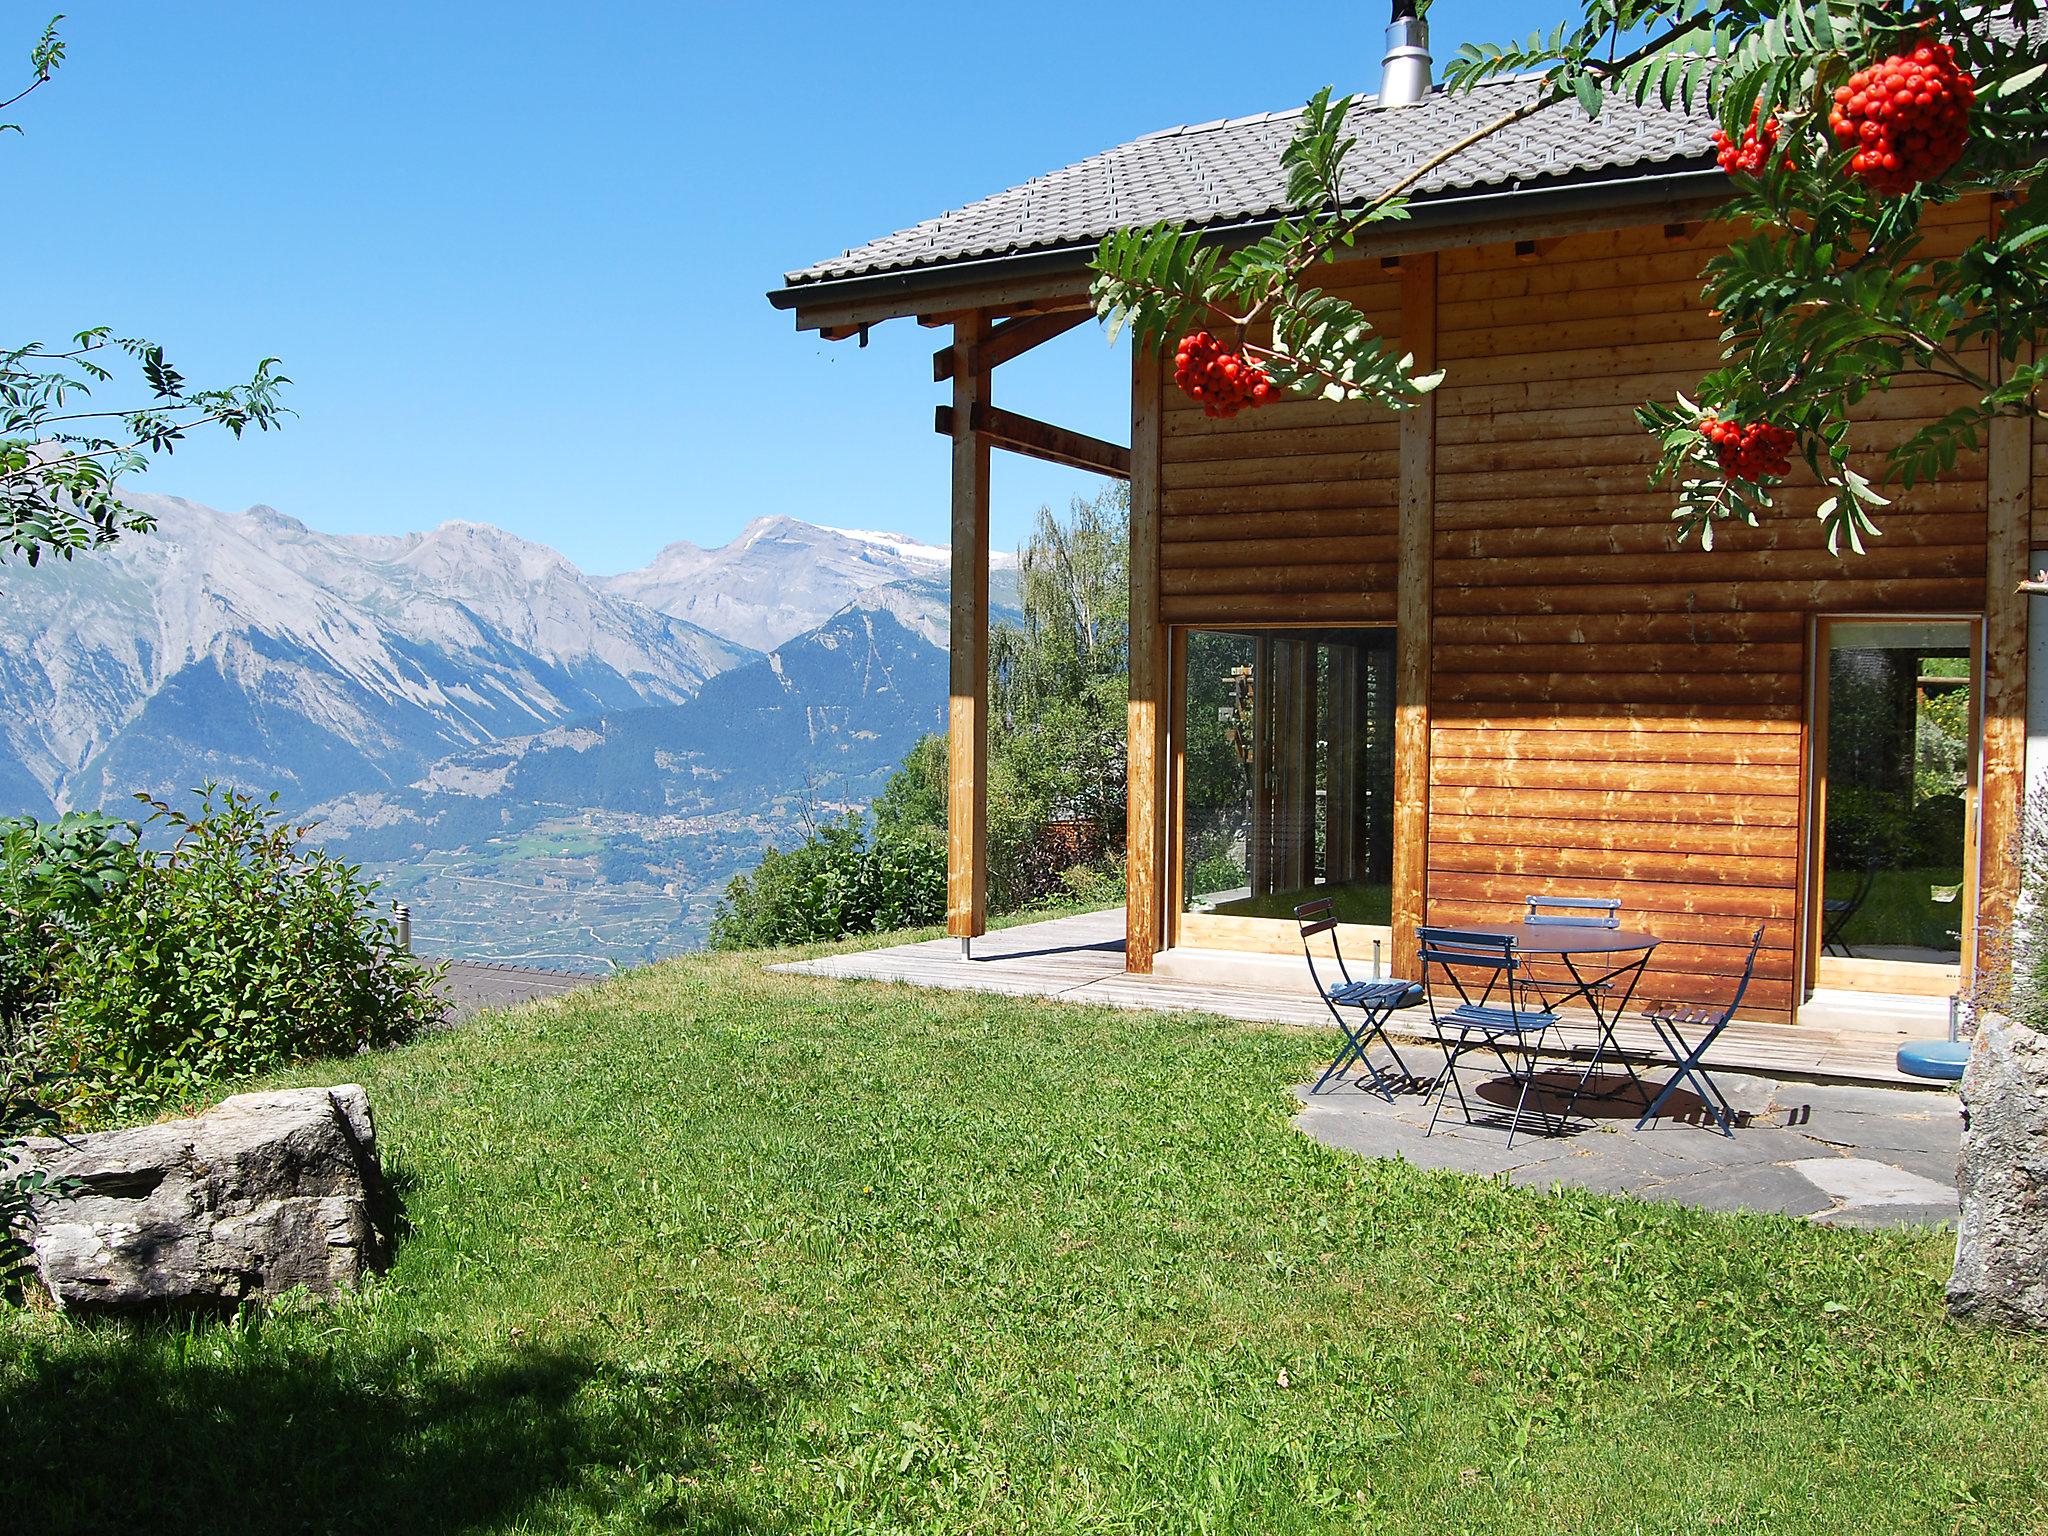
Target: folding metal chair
1689 1057
1837 912
1483 1023
1574 911
1374 1001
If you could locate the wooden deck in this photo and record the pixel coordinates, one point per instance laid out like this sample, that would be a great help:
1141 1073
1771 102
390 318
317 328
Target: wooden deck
1844 1037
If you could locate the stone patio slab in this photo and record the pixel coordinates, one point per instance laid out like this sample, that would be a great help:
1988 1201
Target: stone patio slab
1836 1154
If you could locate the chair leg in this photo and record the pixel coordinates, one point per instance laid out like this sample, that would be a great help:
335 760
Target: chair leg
1450 1082
1377 1033
1349 1051
1393 1050
1710 1094
1716 1102
1521 1099
1346 1053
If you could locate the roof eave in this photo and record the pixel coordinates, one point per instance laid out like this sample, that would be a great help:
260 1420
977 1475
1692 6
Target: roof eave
1686 180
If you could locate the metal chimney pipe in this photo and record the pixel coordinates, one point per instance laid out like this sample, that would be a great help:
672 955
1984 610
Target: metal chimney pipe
1405 72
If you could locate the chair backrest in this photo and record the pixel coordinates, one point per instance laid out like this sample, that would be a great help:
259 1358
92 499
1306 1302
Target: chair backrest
1574 911
1457 953
1756 944
1318 917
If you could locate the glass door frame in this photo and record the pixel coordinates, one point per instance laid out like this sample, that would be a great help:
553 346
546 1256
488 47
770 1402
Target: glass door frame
1257 935
1844 974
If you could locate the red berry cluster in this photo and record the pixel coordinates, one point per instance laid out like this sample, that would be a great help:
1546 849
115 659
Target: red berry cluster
1223 382
1749 451
1906 117
1758 140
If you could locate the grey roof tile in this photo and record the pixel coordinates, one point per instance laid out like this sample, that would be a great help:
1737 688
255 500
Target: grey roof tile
1229 171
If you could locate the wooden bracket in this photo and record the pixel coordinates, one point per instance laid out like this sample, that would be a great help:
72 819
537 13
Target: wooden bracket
1013 338
1039 440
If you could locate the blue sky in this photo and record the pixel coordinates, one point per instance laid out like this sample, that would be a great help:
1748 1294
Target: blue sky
514 256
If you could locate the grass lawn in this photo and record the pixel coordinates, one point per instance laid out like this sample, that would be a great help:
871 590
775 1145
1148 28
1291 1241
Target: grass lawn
1900 908
707 1250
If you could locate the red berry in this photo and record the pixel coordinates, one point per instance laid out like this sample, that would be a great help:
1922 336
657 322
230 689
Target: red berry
1749 156
1749 451
1906 116
1224 382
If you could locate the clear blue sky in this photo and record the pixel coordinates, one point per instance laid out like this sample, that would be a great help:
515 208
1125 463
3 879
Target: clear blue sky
514 255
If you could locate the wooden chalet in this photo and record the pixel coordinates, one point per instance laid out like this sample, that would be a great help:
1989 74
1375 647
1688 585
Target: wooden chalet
1437 661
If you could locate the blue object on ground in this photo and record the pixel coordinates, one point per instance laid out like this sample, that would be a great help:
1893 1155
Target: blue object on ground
1934 1058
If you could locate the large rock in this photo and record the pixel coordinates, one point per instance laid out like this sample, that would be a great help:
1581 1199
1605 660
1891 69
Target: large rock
267 1192
2001 1273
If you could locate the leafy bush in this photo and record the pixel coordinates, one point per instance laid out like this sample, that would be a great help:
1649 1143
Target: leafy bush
134 977
52 874
837 881
1095 885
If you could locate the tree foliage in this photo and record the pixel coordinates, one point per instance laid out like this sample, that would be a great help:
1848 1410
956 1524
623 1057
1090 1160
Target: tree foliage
1058 696
132 976
62 453
839 880
1058 719
1827 293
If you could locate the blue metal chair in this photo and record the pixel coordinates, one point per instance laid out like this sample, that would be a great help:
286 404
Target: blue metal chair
1507 1012
1574 911
1374 1001
1689 1056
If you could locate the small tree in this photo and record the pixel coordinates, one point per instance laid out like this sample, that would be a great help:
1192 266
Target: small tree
61 455
1841 124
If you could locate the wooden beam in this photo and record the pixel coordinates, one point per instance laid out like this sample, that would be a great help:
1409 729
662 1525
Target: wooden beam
1011 339
1414 599
2007 550
1146 845
967 707
1033 438
953 303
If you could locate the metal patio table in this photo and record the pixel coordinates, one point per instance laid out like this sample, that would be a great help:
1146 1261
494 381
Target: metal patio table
1593 956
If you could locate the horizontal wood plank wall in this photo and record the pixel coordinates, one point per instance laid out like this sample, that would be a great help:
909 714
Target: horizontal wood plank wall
1613 713
1286 514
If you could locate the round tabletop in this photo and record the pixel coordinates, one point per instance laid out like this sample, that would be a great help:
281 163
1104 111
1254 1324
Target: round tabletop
1567 938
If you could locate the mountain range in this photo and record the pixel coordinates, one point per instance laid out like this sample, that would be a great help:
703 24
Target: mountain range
546 764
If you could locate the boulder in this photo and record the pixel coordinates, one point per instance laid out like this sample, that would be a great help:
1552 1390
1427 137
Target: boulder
266 1192
2001 1273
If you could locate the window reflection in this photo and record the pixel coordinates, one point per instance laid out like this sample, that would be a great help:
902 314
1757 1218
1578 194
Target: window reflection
1289 772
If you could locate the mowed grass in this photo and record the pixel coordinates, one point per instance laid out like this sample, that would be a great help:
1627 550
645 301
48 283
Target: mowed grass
709 1250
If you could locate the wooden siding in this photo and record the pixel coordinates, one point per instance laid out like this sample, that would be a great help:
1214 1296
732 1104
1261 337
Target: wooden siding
1614 713
1611 712
1288 514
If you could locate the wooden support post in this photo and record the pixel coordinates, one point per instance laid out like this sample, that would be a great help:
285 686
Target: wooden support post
967 709
2007 553
1145 826
1414 601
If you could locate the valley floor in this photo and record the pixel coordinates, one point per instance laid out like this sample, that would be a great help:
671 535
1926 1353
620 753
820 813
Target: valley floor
708 1249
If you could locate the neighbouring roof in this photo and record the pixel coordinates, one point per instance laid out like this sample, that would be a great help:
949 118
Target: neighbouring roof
1228 174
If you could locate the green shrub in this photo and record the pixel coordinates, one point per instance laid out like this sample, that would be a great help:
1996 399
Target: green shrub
138 977
1095 885
838 881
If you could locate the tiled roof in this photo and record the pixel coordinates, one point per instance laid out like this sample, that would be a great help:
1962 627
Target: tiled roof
1229 172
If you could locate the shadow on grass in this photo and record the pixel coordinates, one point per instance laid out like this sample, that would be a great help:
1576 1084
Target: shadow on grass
131 1432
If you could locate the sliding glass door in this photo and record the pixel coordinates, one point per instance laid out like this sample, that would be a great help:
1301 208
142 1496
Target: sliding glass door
1896 747
1286 770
